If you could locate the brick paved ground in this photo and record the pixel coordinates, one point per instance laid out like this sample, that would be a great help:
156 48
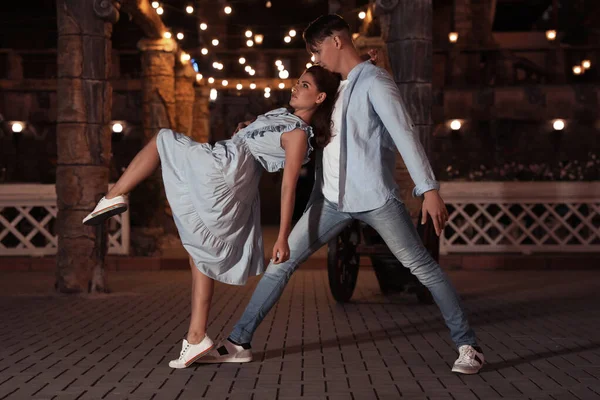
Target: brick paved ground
539 331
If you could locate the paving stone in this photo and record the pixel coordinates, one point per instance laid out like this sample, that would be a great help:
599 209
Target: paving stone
540 341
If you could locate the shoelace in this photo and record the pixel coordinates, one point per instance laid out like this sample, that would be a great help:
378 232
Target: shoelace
187 346
467 356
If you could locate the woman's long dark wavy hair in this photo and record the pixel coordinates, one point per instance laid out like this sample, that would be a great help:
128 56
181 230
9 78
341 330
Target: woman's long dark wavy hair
327 82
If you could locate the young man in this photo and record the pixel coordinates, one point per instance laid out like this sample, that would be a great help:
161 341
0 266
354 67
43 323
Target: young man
355 180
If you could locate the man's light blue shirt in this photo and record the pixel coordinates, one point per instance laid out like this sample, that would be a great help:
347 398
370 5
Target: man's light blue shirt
374 124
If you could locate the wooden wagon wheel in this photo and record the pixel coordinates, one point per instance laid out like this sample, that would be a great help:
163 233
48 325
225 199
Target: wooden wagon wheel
343 262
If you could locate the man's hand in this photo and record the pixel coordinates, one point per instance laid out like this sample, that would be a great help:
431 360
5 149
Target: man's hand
242 125
434 206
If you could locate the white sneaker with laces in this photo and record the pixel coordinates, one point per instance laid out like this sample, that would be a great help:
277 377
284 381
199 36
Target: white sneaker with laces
469 361
192 352
105 209
227 352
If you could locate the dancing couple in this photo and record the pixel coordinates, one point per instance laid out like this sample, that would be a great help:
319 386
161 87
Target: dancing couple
352 111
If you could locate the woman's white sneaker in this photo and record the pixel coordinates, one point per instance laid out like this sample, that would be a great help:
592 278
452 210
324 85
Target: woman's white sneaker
470 360
192 352
105 209
227 352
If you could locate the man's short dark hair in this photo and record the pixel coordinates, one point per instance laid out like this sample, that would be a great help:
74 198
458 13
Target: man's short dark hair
323 27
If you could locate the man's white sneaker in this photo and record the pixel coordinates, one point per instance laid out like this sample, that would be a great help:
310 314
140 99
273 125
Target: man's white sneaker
227 352
470 360
105 209
192 352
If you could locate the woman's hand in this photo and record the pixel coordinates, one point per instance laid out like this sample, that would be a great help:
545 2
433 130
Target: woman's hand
281 251
242 125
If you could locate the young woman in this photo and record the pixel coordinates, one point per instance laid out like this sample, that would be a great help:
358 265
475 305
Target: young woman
213 193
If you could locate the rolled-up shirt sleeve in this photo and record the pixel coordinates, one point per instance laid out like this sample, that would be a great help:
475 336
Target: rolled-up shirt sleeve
387 103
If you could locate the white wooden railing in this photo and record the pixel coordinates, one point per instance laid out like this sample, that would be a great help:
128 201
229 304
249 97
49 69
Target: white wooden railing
521 217
28 219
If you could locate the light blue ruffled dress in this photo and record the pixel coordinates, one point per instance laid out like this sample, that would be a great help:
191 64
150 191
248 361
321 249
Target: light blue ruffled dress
213 193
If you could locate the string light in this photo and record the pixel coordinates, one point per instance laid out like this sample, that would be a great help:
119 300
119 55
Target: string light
268 4
203 26
189 9
228 10
199 77
160 11
278 62
155 4
267 89
239 86
253 86
167 35
453 37
204 51
248 33
180 36
252 72
211 80
185 57
551 34
284 74
213 94
215 65
308 65
577 70
249 43
362 15
292 33
215 42
282 85
280 67
267 95
586 64
242 60
287 39
258 39
224 83
248 68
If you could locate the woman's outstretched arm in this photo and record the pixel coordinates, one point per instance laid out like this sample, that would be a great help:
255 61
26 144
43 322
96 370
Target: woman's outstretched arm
295 145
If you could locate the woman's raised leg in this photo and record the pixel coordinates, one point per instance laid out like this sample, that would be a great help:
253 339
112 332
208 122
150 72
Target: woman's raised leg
141 167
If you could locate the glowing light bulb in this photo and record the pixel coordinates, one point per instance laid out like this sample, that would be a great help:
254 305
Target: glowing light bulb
228 10
453 37
160 11
189 9
167 35
203 26
117 128
180 36
242 60
17 127
287 39
362 15
204 51
558 124
284 74
249 43
455 125
248 33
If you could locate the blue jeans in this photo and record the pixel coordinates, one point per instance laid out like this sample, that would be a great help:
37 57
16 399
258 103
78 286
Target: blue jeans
322 222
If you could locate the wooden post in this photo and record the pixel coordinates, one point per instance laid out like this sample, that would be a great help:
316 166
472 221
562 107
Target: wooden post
185 76
407 33
201 125
84 98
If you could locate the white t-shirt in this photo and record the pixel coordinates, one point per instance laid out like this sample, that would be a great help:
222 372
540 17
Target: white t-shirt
331 152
